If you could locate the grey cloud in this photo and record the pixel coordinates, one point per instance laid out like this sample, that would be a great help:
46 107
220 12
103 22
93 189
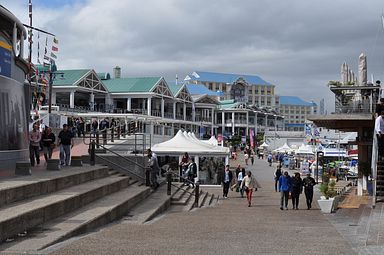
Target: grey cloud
297 45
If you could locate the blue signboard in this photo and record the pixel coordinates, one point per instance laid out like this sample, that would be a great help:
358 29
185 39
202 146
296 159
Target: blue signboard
5 59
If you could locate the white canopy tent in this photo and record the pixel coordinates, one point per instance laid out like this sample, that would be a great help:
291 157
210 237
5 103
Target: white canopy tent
184 142
264 144
304 150
284 148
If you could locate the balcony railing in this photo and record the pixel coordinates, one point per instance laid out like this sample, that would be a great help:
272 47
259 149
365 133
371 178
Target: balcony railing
350 99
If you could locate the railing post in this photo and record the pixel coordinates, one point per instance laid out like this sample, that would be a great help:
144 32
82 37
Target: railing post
118 132
92 153
112 134
147 176
105 136
97 139
197 194
169 182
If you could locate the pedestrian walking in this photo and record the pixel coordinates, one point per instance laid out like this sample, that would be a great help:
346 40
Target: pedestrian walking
277 175
308 183
48 139
65 141
297 189
248 184
285 186
240 178
246 157
154 166
226 181
252 156
269 159
34 145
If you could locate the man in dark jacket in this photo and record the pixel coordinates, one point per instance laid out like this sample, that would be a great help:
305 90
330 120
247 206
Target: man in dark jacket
227 179
278 173
285 186
297 189
308 183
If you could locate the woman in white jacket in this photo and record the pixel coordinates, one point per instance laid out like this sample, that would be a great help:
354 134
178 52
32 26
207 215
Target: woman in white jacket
248 184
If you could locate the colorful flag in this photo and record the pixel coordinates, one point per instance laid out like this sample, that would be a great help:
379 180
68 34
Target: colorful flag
46 57
55 40
251 134
55 48
53 55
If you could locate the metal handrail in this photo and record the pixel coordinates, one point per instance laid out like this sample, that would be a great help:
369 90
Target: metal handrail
374 169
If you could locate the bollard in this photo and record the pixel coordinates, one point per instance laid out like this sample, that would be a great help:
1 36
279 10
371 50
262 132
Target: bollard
93 156
197 194
97 139
169 182
118 132
147 174
112 134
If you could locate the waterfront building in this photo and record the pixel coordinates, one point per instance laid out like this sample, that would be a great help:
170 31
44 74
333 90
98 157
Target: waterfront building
295 112
249 89
162 107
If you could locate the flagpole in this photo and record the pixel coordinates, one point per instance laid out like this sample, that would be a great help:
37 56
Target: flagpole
30 52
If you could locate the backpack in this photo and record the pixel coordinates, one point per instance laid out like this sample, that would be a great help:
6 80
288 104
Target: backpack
278 173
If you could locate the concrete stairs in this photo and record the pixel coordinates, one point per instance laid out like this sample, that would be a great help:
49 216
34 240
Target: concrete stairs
38 212
184 198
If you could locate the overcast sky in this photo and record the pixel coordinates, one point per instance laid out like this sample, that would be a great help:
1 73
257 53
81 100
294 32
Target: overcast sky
298 45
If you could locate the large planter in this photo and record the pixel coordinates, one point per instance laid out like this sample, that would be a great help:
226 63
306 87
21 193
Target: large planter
326 205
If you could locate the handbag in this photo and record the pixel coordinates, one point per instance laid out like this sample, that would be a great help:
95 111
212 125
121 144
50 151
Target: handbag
246 189
255 189
237 189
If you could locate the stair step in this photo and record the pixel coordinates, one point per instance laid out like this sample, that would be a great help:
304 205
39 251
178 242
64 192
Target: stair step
157 203
211 199
181 190
27 214
202 199
184 198
95 214
17 189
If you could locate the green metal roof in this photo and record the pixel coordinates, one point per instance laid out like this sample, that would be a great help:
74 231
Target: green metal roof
69 77
230 101
104 76
126 85
175 88
42 68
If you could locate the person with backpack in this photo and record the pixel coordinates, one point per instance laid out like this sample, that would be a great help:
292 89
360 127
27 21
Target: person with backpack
277 175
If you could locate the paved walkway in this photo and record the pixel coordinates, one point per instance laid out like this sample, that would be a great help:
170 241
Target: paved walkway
228 228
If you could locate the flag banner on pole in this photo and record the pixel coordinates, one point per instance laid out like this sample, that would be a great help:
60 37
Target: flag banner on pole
55 48
53 55
251 134
38 47
55 40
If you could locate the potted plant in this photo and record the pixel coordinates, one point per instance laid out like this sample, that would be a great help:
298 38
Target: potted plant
327 200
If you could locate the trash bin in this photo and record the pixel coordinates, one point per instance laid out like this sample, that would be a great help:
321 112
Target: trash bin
370 188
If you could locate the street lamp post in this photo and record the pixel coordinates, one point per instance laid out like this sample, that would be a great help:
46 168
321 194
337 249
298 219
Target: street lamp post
53 69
